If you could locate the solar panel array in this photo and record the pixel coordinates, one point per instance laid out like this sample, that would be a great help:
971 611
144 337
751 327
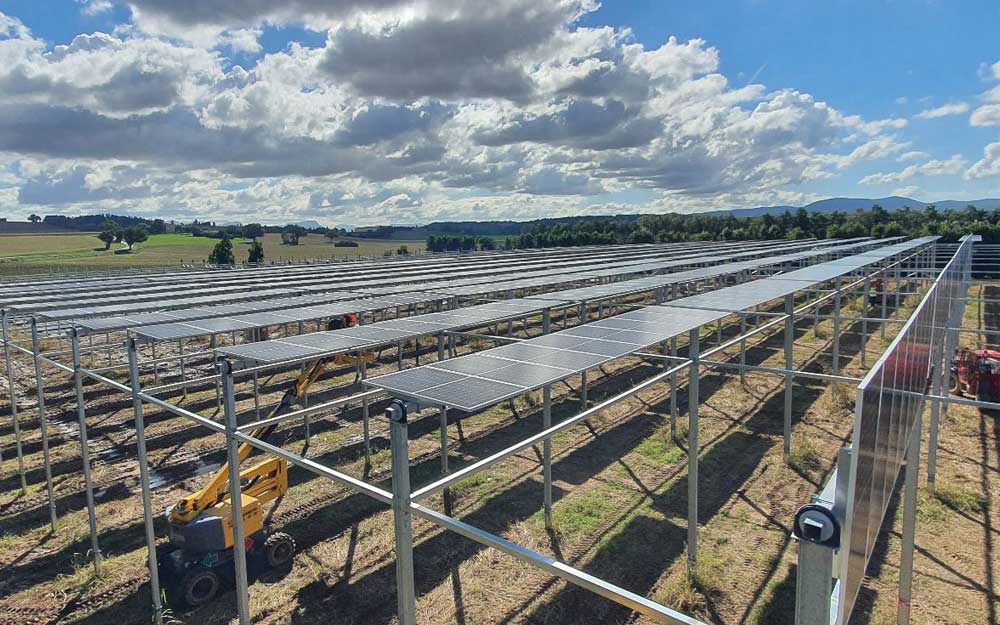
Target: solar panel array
479 380
391 280
571 351
382 332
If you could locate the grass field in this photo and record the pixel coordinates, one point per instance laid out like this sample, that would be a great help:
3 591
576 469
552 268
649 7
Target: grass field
81 252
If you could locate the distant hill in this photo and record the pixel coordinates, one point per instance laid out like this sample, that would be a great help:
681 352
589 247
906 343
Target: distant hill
850 204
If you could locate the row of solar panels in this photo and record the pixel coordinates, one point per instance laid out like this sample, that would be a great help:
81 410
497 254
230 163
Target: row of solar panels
351 284
483 379
386 332
429 293
317 276
189 277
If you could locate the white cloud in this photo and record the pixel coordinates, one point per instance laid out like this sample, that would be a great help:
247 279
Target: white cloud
909 191
95 7
988 166
243 40
914 155
453 108
986 115
945 110
951 166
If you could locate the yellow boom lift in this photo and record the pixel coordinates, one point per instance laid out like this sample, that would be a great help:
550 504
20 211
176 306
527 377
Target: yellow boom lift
197 560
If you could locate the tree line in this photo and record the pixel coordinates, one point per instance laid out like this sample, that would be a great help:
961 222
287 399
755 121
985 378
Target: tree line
801 224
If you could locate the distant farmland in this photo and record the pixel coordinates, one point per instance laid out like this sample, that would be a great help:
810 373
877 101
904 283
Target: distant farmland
81 252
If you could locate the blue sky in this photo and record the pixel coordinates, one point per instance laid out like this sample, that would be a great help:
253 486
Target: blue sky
369 112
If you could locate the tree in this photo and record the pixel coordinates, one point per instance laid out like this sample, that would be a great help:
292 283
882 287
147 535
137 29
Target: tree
33 218
253 231
294 232
402 251
134 234
222 253
256 252
110 232
330 234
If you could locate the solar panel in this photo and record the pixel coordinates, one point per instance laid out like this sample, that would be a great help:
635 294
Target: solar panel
473 364
527 375
471 393
268 351
417 380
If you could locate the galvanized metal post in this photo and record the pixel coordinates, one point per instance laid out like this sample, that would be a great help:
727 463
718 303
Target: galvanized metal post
743 348
403 525
789 364
235 493
836 328
547 453
88 486
885 299
42 423
693 400
583 390
147 504
365 422
444 439
909 525
13 400
673 392
813 584
864 321
546 321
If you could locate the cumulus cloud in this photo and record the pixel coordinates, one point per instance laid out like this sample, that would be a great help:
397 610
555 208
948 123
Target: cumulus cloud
445 108
913 155
943 111
986 115
988 166
951 166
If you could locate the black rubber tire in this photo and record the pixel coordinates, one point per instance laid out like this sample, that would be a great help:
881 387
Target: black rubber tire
199 586
279 548
984 391
953 385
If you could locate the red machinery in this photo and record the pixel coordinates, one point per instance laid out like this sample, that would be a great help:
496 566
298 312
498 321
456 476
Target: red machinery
976 372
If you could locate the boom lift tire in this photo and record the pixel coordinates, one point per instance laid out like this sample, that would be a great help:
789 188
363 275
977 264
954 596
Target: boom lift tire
199 586
279 549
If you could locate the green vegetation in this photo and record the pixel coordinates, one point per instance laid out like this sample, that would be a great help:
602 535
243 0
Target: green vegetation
256 253
802 224
22 254
222 254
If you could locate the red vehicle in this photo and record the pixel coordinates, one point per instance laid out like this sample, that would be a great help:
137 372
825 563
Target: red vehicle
977 373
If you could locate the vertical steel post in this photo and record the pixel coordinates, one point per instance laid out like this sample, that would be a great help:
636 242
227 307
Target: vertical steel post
864 321
743 348
836 328
235 493
365 422
909 524
403 524
813 584
547 453
81 413
147 504
444 439
693 400
13 400
583 390
180 354
789 365
546 321
42 424
673 393
885 299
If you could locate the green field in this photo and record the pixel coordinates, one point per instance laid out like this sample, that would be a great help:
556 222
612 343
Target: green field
23 254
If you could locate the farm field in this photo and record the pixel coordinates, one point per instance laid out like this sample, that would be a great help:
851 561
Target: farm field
620 490
81 252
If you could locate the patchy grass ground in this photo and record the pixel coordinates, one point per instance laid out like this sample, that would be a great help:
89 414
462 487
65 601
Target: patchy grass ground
80 252
620 492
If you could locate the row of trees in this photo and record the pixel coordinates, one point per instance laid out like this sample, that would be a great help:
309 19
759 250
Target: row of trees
222 253
876 222
445 243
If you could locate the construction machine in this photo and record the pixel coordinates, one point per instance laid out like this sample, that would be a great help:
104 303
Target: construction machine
197 559
977 373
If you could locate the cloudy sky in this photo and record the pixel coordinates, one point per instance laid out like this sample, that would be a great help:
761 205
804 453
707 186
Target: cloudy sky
392 111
